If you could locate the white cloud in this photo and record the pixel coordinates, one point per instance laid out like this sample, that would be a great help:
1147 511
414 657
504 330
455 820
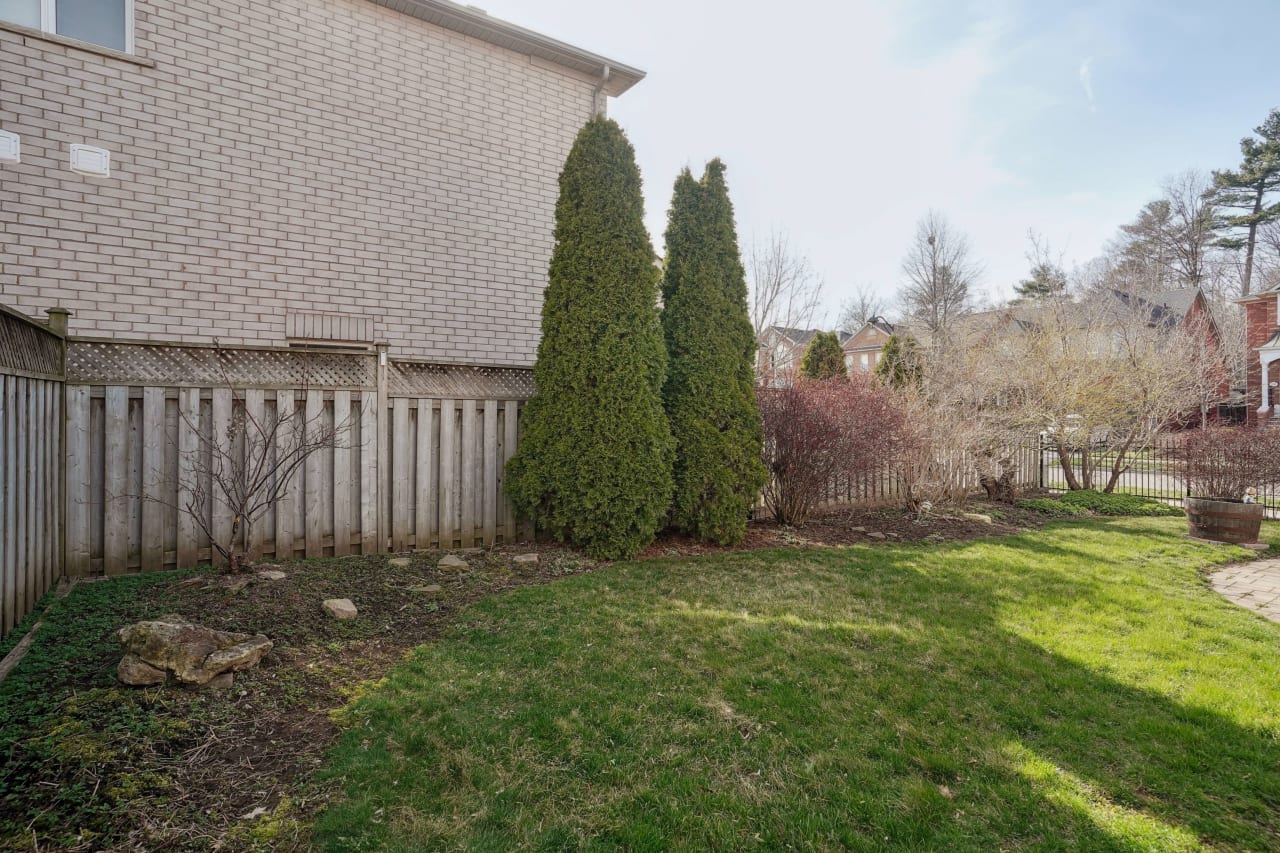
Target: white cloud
1086 82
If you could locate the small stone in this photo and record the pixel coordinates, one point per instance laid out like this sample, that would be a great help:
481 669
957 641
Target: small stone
875 534
399 562
858 529
473 550
451 561
272 575
1255 546
979 517
137 672
525 558
428 589
220 682
237 585
340 608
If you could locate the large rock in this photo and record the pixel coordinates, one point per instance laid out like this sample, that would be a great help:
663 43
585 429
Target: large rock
340 608
192 653
134 670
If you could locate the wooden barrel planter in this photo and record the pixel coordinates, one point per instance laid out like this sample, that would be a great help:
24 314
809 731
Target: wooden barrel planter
1224 521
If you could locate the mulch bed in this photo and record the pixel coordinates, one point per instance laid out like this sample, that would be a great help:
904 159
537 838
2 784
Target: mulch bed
865 526
90 765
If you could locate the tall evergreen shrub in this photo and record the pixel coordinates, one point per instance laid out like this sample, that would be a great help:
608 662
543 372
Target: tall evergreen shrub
709 392
824 359
594 463
899 365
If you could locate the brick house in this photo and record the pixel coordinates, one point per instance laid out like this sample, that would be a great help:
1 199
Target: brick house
780 351
1262 351
340 172
862 348
354 198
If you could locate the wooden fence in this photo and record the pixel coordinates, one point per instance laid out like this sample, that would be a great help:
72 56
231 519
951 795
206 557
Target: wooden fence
418 461
31 369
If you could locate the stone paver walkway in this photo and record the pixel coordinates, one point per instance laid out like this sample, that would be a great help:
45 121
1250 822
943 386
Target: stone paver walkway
1253 585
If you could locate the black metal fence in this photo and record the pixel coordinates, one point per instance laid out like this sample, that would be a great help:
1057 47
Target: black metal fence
1152 471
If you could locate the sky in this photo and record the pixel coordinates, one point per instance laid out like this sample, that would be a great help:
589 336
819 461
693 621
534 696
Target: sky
843 123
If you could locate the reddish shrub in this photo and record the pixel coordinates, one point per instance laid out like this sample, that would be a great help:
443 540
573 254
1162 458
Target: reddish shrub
820 433
1221 462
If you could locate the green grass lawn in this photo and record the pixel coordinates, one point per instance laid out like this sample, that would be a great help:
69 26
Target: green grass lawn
1074 688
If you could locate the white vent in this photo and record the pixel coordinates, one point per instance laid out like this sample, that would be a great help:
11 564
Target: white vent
10 147
88 160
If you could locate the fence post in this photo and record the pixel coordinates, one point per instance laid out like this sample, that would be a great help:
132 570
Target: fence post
382 424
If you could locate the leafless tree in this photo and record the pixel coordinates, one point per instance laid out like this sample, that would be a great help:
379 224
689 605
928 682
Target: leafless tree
1190 232
939 274
247 469
1169 244
785 289
855 311
1099 379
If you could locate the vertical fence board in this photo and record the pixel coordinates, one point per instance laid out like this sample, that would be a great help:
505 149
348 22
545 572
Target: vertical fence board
342 473
467 522
490 477
368 474
10 486
77 498
115 531
6 438
222 464
188 464
423 478
256 463
401 460
313 494
511 418
448 474
152 551
35 470
286 411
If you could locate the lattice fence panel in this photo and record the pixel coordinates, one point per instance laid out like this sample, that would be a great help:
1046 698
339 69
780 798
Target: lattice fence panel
408 379
193 367
28 347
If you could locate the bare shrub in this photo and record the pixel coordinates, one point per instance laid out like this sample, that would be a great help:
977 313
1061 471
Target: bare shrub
1223 462
820 433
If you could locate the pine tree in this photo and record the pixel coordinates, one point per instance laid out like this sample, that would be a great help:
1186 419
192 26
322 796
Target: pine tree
1046 280
899 365
824 359
594 463
709 392
1247 189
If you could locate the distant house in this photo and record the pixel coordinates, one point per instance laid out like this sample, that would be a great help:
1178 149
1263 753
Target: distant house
862 348
779 354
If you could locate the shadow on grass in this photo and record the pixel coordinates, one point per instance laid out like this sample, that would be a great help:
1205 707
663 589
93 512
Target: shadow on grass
889 697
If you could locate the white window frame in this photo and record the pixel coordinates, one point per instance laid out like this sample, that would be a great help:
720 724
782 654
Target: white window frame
49 23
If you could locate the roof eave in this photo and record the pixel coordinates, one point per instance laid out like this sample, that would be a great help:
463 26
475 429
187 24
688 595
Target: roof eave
474 22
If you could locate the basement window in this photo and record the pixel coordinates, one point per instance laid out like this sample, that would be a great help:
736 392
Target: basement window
108 23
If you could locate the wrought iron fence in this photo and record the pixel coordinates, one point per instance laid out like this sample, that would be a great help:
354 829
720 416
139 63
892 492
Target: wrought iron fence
1151 471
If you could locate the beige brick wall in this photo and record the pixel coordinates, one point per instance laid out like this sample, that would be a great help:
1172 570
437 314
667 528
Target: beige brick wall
327 156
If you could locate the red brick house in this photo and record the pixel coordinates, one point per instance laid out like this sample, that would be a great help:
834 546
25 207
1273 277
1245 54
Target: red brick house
1262 350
